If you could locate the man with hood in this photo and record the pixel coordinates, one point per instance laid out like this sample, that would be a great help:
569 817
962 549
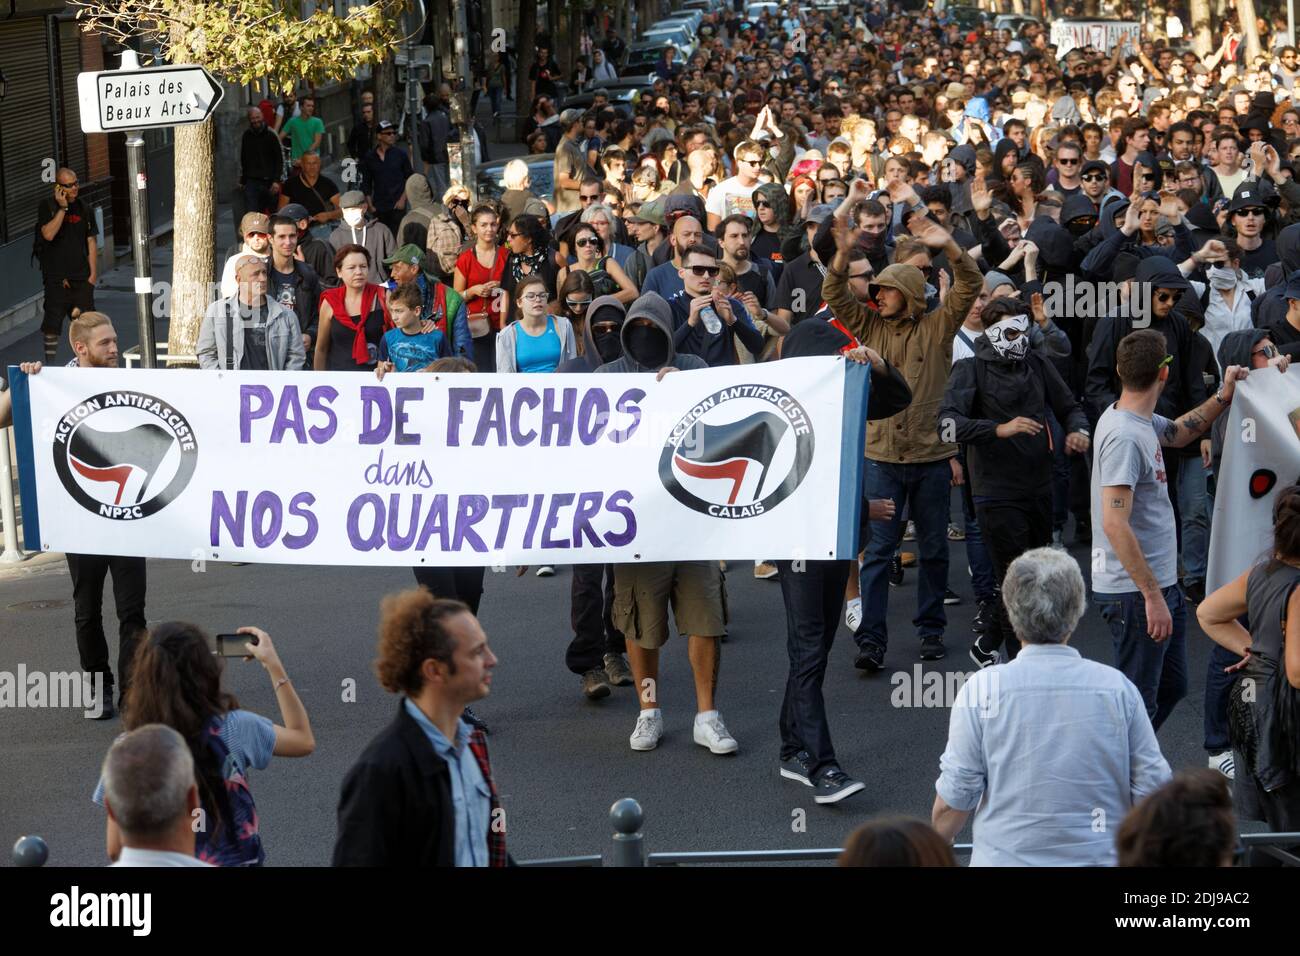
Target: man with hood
1270 308
422 208
643 592
998 403
772 225
442 305
908 460
1124 236
1285 331
596 652
958 169
360 229
812 593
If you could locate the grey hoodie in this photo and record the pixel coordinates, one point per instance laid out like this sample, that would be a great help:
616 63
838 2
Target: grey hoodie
1234 349
602 308
421 209
654 307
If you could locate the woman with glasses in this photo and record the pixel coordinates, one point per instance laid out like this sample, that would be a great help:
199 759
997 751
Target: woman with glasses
537 341
531 254
607 276
477 276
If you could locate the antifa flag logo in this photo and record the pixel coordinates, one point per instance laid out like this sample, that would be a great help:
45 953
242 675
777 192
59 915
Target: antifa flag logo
728 451
117 457
739 452
124 455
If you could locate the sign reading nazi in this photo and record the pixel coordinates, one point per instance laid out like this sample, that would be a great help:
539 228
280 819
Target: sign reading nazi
146 98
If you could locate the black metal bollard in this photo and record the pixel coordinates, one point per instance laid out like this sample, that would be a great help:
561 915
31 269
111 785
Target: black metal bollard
626 816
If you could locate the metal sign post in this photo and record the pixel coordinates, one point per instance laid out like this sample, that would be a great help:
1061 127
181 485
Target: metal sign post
133 99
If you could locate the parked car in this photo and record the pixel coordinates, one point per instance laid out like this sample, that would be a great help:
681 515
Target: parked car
690 18
1013 22
753 11
541 171
622 101
643 55
967 18
675 34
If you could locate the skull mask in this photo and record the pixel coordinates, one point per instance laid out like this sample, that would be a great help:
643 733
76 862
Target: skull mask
1010 336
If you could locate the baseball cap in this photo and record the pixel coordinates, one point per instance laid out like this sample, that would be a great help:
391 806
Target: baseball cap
1095 165
254 222
955 91
652 211
385 126
295 211
820 213
1247 196
410 253
352 198
1292 287
570 116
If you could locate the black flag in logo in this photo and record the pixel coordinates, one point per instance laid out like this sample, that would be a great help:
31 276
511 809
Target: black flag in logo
113 456
725 451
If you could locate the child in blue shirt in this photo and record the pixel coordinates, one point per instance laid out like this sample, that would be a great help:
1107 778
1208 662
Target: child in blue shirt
413 344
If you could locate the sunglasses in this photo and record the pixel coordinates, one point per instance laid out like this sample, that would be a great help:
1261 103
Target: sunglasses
1164 296
586 199
705 270
577 303
1095 178
1252 211
1067 162
1268 351
586 241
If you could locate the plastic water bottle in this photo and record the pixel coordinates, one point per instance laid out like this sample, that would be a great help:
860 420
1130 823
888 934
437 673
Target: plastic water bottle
712 323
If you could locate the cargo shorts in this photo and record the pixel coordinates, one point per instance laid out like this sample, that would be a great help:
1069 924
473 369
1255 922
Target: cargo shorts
643 592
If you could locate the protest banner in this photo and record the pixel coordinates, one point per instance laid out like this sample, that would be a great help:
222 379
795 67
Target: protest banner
444 469
1261 454
1103 35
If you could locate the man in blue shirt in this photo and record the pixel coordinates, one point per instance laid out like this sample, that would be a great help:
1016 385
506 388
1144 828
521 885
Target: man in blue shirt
691 318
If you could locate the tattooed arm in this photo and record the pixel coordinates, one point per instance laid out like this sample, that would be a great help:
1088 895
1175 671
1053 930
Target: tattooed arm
1187 428
1117 510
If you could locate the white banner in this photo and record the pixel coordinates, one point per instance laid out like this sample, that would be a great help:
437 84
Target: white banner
1261 454
1103 35
759 461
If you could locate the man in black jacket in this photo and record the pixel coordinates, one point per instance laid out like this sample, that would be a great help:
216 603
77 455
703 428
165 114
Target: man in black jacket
996 404
422 793
261 164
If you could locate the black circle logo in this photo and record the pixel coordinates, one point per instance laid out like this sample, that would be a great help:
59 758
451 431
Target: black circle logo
739 452
124 455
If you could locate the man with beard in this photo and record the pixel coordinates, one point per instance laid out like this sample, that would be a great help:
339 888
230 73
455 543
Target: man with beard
756 288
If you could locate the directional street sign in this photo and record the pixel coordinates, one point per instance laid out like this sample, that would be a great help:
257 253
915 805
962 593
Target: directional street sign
146 98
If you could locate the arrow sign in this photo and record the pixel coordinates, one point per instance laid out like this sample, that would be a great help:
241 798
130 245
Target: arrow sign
147 98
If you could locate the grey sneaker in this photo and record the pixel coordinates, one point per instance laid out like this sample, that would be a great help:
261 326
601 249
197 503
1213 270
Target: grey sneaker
616 669
595 684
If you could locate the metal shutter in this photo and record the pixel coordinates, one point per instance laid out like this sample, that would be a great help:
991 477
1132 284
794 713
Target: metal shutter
26 123
70 65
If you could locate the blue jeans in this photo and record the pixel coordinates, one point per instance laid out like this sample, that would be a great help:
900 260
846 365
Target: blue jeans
982 581
924 489
1159 670
1194 507
1217 686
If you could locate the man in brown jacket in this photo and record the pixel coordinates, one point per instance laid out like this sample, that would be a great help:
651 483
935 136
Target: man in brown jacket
907 459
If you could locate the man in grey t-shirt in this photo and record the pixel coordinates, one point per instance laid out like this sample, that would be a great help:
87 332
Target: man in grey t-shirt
1135 561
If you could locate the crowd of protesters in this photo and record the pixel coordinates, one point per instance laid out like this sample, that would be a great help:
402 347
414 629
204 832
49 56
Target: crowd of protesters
926 198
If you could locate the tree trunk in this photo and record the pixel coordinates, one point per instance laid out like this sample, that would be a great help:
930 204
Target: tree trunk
1157 14
525 45
193 235
1249 29
1202 35
386 105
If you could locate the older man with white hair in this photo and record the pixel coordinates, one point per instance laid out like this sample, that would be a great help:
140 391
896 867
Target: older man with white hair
151 797
519 198
1050 750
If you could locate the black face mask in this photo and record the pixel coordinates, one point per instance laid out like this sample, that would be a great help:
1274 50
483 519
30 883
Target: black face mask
608 346
1080 226
647 345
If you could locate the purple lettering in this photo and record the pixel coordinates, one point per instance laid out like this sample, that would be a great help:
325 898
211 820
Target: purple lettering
627 406
233 520
492 419
267 504
558 419
506 504
299 507
470 510
405 395
525 396
562 500
435 522
247 413
532 520
377 400
455 414
588 508
374 540
617 505
593 416
396 540
288 417
318 400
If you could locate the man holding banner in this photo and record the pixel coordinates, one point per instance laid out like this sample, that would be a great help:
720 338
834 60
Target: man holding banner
1135 563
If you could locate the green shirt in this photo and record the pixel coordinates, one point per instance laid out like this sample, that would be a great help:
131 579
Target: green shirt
301 132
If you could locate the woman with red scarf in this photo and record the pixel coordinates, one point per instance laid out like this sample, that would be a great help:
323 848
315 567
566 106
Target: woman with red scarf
353 316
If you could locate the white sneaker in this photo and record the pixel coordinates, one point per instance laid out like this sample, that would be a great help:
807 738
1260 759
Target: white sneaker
1224 763
649 728
853 613
712 733
545 571
909 533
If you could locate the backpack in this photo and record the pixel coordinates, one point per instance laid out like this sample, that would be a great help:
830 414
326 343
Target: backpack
237 842
445 241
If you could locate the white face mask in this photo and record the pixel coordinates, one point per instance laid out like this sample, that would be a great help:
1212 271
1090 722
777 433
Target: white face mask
1221 277
1016 348
354 216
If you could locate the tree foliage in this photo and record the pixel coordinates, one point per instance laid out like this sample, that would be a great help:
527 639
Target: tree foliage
243 41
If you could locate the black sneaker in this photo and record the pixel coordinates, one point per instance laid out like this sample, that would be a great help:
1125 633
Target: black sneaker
1194 591
984 617
474 720
871 657
93 711
950 596
984 652
834 785
932 648
798 767
595 683
896 570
